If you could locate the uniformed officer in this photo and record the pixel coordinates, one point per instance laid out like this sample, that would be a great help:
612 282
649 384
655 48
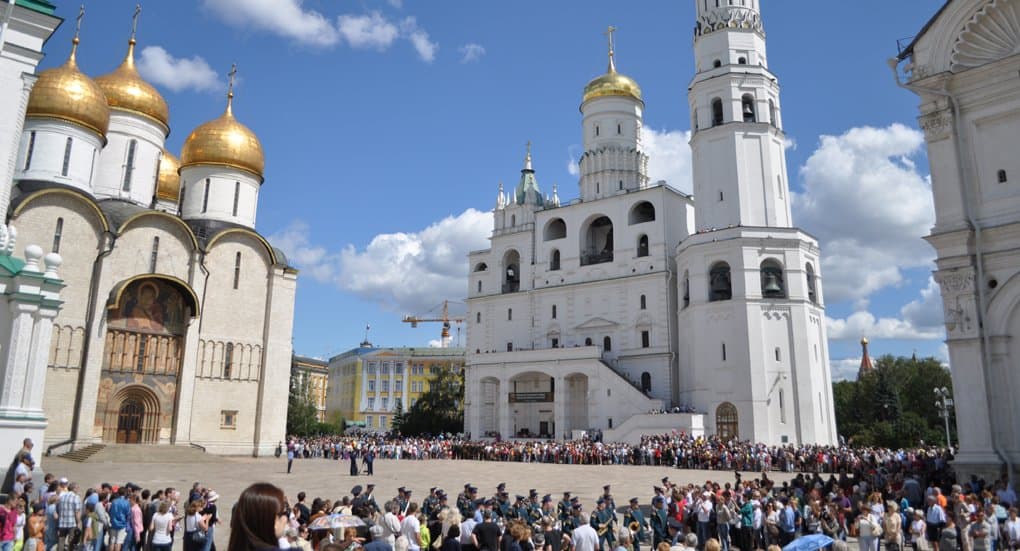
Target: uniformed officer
546 509
429 503
563 508
601 521
659 522
610 502
503 506
534 507
401 499
632 516
464 502
520 508
570 521
500 488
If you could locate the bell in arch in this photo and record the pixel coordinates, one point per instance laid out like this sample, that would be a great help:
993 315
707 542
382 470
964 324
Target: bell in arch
720 283
748 112
772 284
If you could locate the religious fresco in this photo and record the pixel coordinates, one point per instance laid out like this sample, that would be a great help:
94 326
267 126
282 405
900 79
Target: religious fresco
150 306
156 395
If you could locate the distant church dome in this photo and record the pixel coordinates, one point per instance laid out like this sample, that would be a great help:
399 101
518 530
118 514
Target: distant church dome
68 94
126 89
224 141
168 181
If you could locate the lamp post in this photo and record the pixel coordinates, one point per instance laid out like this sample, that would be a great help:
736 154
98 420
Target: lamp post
943 403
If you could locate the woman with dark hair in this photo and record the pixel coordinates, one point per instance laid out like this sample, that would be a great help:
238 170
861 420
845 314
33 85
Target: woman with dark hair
259 518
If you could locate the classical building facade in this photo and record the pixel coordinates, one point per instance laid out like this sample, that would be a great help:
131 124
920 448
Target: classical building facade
368 385
311 375
634 297
177 314
963 65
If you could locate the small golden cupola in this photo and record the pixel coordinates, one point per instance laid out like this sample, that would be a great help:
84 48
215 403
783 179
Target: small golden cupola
168 181
65 93
125 89
224 141
612 83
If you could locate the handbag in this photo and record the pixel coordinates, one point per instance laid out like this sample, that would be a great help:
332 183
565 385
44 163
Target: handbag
198 536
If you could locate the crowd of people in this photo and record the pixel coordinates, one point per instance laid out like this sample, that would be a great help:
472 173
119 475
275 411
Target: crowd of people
675 449
876 499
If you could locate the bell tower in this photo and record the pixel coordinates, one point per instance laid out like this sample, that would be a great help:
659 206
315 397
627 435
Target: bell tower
736 131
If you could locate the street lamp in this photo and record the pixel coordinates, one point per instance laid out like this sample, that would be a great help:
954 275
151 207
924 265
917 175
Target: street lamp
943 403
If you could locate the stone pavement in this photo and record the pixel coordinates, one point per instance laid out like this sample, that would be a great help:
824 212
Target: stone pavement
330 479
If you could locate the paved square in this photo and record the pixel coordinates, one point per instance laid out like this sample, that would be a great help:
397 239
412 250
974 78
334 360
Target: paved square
329 479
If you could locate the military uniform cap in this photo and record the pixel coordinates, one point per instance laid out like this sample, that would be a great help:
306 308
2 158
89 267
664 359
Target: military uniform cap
546 498
634 500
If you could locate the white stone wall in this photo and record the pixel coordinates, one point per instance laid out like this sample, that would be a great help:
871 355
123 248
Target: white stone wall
111 172
47 162
224 183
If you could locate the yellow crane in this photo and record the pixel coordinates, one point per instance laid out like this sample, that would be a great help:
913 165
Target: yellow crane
444 317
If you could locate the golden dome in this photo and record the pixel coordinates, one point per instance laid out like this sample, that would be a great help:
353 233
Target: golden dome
68 94
612 84
224 141
168 181
125 89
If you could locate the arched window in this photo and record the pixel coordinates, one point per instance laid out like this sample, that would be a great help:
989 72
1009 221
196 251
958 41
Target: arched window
716 64
129 165
553 311
720 286
687 290
607 344
481 267
237 196
646 382
513 220
228 360
644 302
772 113
555 229
587 341
812 294
237 269
31 150
741 61
479 286
772 283
511 272
779 354
478 317
154 255
641 213
509 314
747 108
67 157
205 196
58 233
598 242
717 112
726 421
642 245
554 260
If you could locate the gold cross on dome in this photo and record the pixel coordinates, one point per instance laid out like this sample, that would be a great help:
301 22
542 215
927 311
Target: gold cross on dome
230 85
609 33
77 23
134 20
528 145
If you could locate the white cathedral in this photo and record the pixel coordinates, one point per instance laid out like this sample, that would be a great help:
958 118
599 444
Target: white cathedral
176 320
634 297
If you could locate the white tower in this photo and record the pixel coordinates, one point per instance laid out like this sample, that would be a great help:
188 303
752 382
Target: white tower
754 354
613 161
734 102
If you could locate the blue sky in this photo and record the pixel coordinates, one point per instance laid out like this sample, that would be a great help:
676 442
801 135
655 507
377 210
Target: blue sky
388 124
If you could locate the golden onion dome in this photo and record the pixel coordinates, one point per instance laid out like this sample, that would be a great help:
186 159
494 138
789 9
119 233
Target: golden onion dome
68 94
612 84
224 141
126 89
168 181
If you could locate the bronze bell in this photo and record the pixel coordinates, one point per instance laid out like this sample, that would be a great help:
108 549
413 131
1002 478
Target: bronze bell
720 284
772 284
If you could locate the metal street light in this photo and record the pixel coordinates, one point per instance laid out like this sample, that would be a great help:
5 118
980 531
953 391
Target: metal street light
943 403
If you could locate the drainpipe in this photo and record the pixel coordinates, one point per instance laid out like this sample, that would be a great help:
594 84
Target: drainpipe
978 248
90 320
205 289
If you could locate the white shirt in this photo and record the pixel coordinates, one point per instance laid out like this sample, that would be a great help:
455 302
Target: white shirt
466 528
391 527
161 528
585 538
1013 530
704 510
411 528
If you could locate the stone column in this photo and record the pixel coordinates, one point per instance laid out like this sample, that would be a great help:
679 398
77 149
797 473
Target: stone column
559 406
506 427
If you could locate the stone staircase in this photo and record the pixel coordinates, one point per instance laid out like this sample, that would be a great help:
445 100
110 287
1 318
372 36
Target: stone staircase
82 455
143 453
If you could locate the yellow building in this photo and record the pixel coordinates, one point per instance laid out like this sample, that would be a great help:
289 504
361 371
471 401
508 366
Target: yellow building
311 373
367 385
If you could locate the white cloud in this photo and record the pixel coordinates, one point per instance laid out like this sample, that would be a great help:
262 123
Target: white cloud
471 52
425 47
919 319
669 157
435 343
869 206
286 18
158 66
396 3
370 30
407 272
844 369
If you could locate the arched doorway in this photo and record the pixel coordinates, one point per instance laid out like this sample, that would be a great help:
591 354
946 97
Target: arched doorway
146 324
726 421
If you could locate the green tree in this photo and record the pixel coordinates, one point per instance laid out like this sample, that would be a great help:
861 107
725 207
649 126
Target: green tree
302 417
440 409
894 405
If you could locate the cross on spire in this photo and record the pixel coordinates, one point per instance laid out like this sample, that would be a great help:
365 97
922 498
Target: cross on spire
230 86
77 31
609 35
527 156
134 21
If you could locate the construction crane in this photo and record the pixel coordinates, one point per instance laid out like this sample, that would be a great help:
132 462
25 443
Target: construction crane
444 317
